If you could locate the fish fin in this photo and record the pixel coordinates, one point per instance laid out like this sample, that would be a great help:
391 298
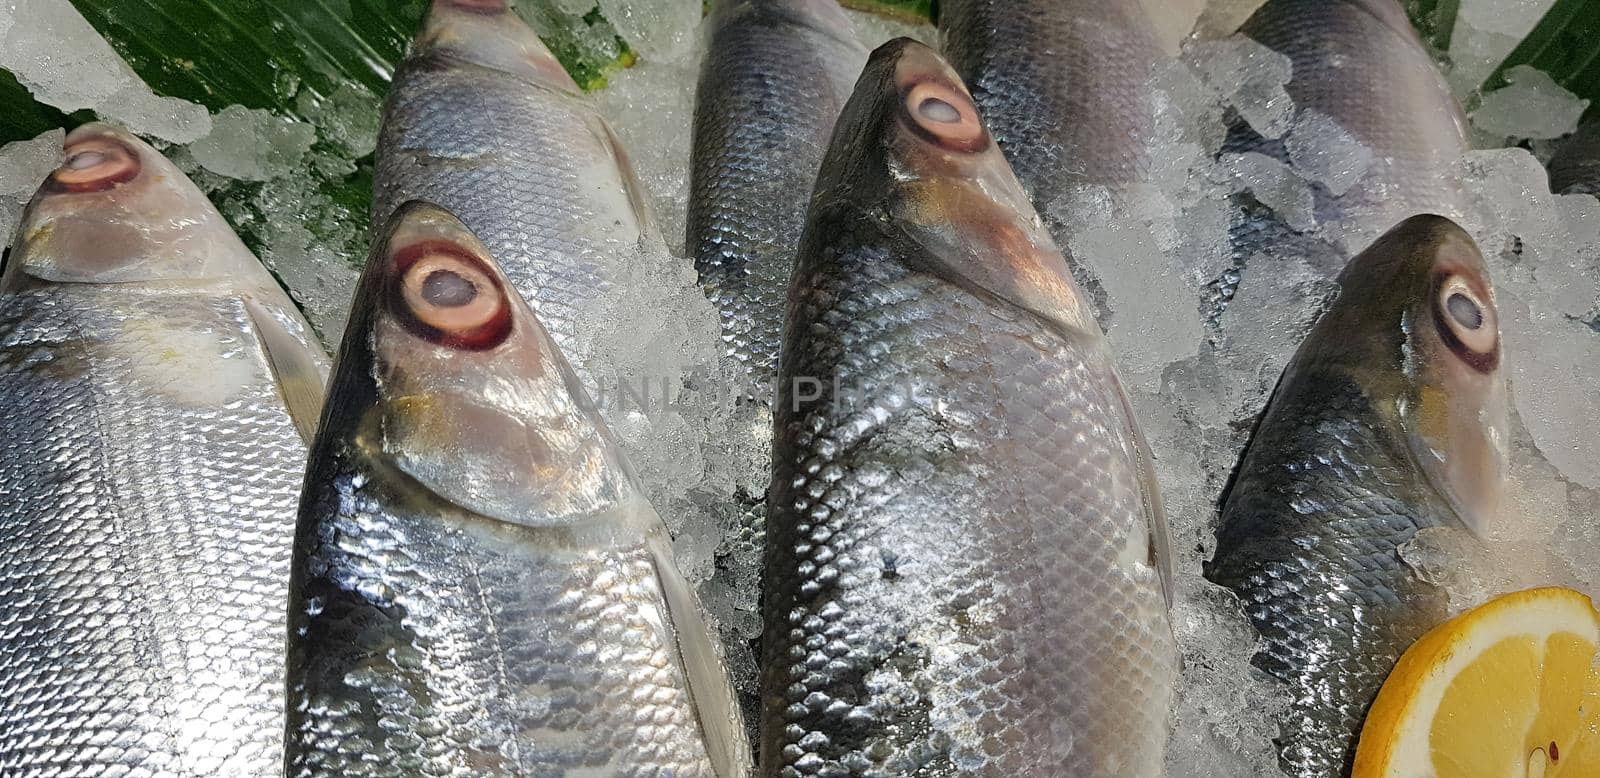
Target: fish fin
643 214
1155 516
711 694
302 377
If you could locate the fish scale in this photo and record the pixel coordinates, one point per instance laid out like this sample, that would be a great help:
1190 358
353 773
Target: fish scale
965 559
775 75
868 482
1062 84
116 545
479 587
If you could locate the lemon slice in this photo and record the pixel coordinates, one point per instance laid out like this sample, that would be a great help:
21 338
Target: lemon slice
1509 688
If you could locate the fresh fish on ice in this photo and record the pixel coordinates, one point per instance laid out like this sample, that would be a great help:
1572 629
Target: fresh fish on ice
480 588
965 567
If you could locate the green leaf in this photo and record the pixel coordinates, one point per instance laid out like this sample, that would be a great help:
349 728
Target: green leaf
1566 45
1435 20
906 10
22 118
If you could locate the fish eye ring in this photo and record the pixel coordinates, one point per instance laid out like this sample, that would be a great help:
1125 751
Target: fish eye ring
944 115
1467 323
96 164
447 295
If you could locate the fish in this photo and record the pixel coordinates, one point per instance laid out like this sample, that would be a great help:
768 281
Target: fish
1063 86
1575 167
1361 65
1390 419
775 74
159 390
479 586
482 120
967 563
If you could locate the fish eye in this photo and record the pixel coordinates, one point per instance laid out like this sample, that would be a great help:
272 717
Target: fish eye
96 164
1466 321
944 115
449 296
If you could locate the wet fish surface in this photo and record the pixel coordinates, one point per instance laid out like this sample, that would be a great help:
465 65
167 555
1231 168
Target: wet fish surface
1575 168
1391 418
966 549
1063 86
482 120
1360 65
480 587
775 75
157 384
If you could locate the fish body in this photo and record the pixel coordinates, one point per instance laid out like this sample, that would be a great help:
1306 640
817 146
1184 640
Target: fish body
964 566
776 74
1361 66
1390 419
482 120
1063 86
156 381
1575 168
480 587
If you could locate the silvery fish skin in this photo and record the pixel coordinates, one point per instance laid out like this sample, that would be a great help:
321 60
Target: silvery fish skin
154 377
479 585
1391 418
1575 168
775 75
1360 63
965 566
1062 85
482 120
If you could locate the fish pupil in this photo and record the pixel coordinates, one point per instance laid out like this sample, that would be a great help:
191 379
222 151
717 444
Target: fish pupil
446 289
939 110
85 160
1464 311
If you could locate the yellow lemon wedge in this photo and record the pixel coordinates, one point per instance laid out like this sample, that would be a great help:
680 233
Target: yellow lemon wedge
1509 688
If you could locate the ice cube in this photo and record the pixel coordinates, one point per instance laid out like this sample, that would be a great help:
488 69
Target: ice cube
1251 77
1153 326
65 63
649 105
1320 150
253 145
657 29
1552 359
1485 32
24 164
1532 105
1274 185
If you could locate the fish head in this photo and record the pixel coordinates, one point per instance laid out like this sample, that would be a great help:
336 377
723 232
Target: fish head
1416 323
117 211
911 150
447 379
488 34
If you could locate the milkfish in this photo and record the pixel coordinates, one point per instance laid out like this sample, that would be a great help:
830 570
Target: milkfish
1390 418
1063 86
966 566
1361 66
482 120
480 587
775 75
158 389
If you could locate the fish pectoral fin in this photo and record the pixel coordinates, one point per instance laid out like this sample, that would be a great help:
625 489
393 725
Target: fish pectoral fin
710 693
1159 535
301 375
